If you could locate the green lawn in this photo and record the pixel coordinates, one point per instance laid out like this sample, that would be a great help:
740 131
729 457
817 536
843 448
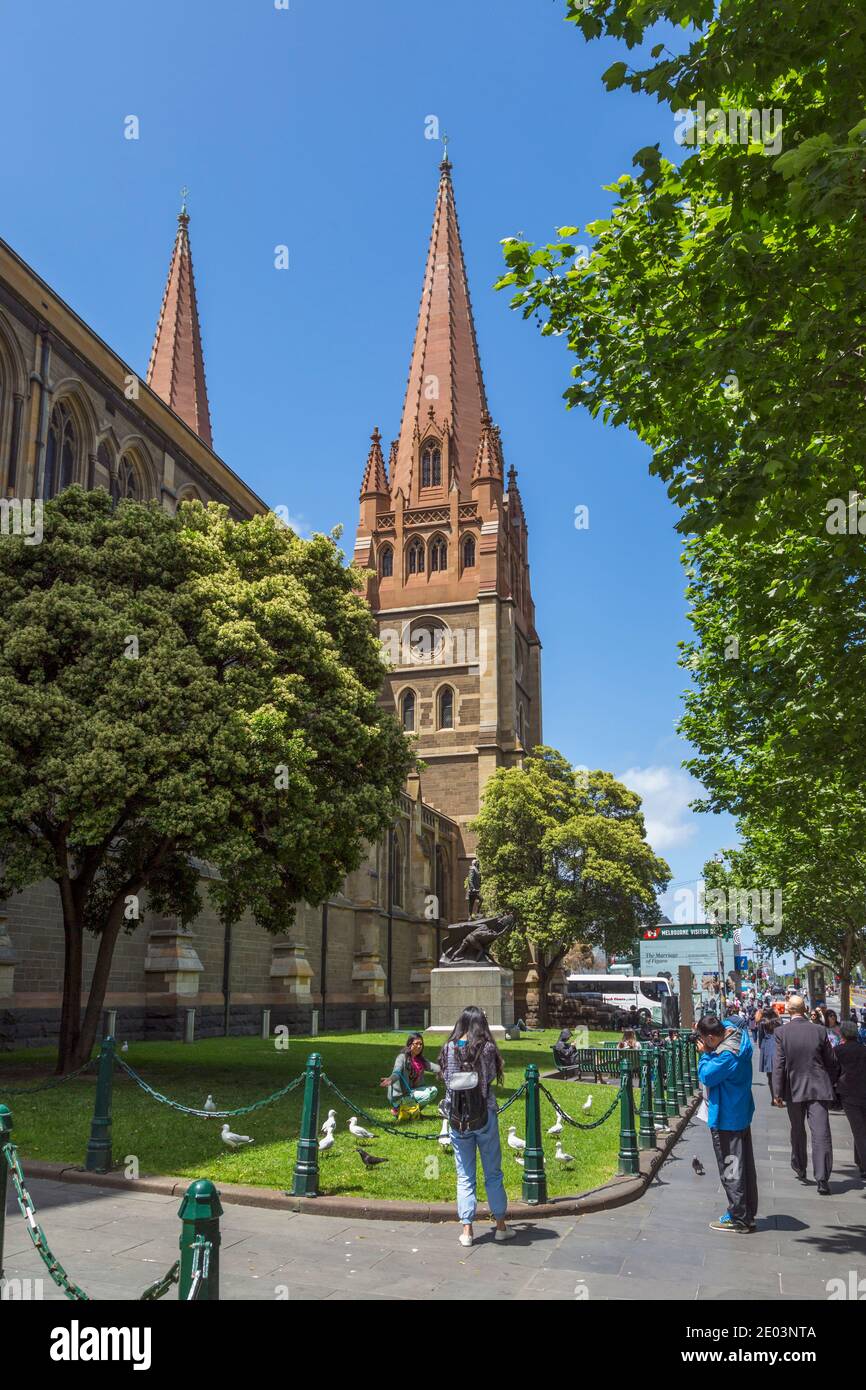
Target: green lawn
54 1125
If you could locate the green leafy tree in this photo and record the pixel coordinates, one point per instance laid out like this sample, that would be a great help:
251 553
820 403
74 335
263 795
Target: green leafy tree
565 851
179 688
721 311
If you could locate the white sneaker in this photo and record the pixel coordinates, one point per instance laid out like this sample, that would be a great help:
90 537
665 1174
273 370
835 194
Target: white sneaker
464 1238
508 1234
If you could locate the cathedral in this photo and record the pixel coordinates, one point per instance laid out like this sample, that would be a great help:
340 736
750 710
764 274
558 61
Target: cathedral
443 535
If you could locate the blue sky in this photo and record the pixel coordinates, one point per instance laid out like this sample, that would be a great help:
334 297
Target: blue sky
306 127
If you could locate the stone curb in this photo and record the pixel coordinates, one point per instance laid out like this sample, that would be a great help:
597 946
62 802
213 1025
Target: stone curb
615 1193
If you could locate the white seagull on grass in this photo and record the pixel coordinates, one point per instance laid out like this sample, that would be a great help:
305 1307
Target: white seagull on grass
331 1123
235 1141
358 1131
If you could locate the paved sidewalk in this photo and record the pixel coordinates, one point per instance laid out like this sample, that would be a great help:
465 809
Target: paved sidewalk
114 1243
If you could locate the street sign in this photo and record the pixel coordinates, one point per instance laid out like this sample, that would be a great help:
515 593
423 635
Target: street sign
741 963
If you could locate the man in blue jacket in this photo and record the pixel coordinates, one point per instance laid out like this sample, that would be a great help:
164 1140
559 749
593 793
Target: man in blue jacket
725 1071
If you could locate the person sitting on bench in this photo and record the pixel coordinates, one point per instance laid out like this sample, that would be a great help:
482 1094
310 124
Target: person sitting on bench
564 1054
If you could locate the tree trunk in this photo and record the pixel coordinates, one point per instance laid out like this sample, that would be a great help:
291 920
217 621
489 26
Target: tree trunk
845 974
70 1010
98 987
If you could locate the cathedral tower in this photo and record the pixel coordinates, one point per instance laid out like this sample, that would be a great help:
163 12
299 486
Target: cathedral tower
443 529
176 368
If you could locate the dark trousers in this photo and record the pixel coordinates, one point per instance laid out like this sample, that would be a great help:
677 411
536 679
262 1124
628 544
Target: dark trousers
818 1114
737 1171
857 1120
770 1084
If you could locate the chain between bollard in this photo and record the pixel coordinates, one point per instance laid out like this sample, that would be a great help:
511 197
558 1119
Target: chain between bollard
581 1124
46 1085
208 1114
35 1232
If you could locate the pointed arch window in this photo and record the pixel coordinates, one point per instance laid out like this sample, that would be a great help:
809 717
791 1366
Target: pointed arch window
61 451
407 711
438 554
416 558
386 566
521 725
128 480
446 707
469 553
431 465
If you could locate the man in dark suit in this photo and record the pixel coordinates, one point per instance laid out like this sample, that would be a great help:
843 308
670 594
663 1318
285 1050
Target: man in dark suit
851 1057
804 1071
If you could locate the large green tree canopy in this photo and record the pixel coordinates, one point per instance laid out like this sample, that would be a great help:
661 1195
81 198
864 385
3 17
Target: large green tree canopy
565 851
175 688
720 314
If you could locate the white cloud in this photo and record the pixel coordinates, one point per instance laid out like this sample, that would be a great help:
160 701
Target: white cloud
665 793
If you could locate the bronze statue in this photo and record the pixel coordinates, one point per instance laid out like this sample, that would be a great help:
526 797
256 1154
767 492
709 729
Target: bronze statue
467 942
473 887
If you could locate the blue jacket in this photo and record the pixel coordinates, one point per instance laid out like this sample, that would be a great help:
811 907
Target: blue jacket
727 1075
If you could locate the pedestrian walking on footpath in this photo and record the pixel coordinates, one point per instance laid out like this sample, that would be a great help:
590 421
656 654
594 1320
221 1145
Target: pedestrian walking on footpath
471 1065
768 1050
725 1071
804 1073
851 1058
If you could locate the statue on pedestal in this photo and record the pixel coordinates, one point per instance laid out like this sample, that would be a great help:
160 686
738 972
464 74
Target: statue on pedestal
467 943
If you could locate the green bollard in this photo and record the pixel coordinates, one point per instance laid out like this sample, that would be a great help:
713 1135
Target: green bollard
647 1135
200 1212
305 1182
5 1138
98 1156
629 1160
672 1109
534 1176
659 1107
682 1095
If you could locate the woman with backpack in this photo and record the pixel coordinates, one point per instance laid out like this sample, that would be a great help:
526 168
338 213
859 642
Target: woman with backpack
404 1083
471 1065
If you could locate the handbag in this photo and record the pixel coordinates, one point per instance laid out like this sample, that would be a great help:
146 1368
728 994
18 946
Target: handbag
407 1107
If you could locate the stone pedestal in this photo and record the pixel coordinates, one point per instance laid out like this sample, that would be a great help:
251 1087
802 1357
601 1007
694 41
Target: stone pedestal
172 964
453 987
291 969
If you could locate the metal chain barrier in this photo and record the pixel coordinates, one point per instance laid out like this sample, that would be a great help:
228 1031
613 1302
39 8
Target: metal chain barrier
73 1291
208 1114
580 1124
34 1230
160 1287
201 1252
45 1085
365 1114
396 1129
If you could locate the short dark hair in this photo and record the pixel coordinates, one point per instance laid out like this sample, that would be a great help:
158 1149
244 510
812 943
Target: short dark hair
848 1031
710 1026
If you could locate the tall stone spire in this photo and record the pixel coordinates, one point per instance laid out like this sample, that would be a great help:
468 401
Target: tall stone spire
446 387
176 368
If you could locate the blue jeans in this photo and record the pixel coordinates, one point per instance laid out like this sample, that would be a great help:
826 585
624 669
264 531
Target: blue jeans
466 1147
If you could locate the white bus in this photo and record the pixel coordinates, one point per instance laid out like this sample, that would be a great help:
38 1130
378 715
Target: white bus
650 992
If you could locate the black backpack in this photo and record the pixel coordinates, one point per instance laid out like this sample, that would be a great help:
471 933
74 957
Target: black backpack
467 1104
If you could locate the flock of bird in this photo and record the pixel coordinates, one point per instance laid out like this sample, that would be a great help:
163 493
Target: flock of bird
357 1131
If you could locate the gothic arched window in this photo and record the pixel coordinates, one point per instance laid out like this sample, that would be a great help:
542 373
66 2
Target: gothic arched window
128 480
431 465
469 553
407 711
521 725
416 558
61 451
386 567
446 707
438 554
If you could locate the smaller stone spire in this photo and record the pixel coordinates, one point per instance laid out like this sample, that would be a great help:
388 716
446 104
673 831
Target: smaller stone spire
375 477
488 460
176 368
